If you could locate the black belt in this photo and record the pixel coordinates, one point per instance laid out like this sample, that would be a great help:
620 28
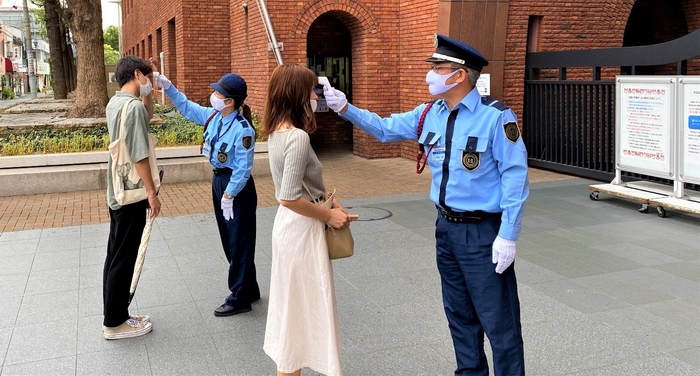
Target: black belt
222 171
467 216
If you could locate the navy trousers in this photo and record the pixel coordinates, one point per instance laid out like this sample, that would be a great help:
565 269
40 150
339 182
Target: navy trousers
478 300
238 240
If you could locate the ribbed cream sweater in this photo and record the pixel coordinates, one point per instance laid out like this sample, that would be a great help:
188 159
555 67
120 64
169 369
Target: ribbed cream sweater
292 160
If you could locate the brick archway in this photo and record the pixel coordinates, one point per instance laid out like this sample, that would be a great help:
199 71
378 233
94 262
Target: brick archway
370 50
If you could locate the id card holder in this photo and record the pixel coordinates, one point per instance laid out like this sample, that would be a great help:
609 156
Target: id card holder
438 154
206 149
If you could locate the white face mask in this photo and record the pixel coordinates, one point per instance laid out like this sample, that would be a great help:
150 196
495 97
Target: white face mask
436 82
217 103
147 88
314 105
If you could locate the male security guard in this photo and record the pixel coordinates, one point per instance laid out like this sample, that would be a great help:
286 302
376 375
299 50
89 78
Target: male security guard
229 140
479 167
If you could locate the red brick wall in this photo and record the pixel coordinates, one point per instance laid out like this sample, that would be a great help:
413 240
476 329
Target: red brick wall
581 24
196 55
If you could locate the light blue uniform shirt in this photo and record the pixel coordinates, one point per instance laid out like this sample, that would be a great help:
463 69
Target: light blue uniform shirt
229 142
478 163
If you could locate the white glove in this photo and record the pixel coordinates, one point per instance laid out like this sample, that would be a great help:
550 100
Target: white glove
335 99
162 81
503 253
227 207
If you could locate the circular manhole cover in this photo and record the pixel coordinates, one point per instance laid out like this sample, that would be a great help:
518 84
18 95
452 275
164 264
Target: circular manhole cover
369 213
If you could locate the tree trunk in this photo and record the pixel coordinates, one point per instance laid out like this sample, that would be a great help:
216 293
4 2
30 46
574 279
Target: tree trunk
66 57
85 20
53 29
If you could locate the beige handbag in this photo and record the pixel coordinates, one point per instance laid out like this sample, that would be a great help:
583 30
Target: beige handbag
340 242
128 186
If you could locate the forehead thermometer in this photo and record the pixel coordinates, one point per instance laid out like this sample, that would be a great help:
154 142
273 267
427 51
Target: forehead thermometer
324 81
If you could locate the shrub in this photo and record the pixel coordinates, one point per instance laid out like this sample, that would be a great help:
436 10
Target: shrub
8 93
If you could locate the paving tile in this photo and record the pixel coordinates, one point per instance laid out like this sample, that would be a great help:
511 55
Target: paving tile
9 309
18 247
663 365
678 311
567 346
416 360
92 256
159 268
13 285
193 244
162 292
191 356
94 241
42 341
685 270
73 231
659 333
20 235
624 289
58 367
246 345
638 254
201 262
578 296
385 290
56 306
91 276
124 360
90 301
58 243
208 285
43 282
5 335
20 264
56 260
251 321
690 356
177 321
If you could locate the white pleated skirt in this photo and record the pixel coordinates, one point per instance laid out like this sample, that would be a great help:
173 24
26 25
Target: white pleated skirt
302 320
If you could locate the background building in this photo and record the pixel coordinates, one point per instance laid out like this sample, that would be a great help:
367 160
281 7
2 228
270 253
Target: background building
374 49
14 52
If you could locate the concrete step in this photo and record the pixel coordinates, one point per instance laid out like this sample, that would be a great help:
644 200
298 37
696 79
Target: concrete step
39 174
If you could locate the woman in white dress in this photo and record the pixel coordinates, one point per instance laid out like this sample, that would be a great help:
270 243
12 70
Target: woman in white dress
302 321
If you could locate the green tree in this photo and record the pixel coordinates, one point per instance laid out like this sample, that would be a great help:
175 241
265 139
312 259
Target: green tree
111 36
111 56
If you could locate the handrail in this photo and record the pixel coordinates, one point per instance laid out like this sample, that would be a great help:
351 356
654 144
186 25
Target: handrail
677 50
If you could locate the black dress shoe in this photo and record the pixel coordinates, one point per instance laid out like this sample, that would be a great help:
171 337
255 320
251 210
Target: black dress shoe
227 310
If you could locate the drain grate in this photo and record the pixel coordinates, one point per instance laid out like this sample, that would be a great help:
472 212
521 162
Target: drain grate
369 213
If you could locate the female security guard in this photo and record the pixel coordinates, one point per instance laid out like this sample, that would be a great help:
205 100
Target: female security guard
229 139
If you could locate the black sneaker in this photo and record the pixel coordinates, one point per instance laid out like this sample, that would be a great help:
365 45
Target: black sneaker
226 310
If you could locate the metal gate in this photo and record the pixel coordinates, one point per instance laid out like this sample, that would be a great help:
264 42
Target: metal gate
570 124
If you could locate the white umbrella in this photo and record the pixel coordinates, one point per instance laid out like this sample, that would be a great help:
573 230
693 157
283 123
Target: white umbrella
141 257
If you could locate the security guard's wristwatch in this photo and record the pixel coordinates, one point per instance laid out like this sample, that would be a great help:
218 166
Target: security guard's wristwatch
227 196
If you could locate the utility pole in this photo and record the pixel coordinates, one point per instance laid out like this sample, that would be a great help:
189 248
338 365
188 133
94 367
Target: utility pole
28 47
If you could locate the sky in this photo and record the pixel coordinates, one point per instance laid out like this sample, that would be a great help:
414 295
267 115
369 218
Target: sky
109 14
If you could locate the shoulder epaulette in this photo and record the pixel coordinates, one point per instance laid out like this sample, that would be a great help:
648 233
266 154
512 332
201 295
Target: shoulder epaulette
488 101
242 120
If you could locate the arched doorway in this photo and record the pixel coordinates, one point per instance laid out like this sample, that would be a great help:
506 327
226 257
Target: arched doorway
651 22
329 54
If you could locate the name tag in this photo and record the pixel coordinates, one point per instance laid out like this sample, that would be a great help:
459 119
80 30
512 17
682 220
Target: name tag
438 154
206 150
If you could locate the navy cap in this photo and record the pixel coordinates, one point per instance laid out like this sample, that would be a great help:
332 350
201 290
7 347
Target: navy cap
454 51
232 85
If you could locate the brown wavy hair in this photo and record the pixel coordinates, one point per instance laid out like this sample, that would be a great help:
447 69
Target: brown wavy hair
288 95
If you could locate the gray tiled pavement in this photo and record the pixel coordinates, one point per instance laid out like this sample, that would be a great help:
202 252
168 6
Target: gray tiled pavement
604 290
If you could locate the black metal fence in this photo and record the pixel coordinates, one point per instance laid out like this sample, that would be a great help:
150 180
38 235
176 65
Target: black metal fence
569 126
